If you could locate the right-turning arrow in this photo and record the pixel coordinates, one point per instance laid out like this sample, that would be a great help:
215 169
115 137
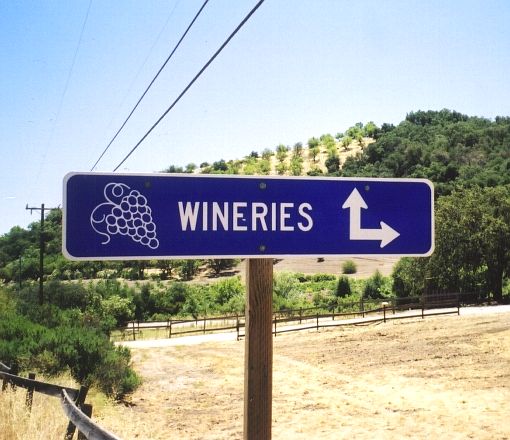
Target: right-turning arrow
355 203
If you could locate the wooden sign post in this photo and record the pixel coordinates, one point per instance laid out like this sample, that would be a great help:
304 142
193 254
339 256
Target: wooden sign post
258 371
252 217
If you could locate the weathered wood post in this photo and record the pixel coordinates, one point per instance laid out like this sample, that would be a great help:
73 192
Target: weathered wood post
258 372
79 401
30 393
87 410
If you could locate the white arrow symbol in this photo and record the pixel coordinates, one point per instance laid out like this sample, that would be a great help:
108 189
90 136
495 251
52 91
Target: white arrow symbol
354 203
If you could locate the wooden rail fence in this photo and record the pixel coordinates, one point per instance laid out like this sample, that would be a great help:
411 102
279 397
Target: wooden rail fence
304 318
72 400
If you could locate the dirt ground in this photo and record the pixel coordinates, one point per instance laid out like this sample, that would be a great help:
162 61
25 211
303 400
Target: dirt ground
443 377
366 267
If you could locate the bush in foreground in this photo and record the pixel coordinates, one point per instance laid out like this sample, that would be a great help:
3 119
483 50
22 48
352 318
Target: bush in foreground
71 346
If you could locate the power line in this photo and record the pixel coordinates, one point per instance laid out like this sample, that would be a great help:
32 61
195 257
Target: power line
150 85
141 67
64 92
192 82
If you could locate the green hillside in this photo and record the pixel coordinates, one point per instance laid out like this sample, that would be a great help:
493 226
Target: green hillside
464 156
467 158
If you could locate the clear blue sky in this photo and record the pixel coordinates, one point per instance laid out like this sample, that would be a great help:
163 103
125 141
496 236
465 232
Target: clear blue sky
299 68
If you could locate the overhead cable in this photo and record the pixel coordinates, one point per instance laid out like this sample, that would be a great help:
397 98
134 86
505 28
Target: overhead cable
150 84
63 94
142 66
243 22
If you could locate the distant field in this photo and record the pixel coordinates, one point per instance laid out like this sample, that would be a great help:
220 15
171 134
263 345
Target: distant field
444 377
366 266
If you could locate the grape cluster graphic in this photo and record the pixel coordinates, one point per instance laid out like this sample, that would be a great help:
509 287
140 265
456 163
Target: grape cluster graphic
125 212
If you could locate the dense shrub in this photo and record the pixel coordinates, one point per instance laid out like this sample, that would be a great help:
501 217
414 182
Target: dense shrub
349 267
318 277
170 301
343 287
67 295
377 287
66 344
228 294
286 287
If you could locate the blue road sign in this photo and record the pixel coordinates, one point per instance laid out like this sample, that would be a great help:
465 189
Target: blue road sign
154 216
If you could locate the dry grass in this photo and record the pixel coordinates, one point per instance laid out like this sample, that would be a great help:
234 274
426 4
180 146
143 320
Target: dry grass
444 377
45 421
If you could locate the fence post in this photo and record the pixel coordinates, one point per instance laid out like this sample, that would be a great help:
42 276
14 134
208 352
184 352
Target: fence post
30 393
205 320
170 330
5 381
423 310
275 319
317 321
300 314
384 312
14 371
237 325
87 410
134 336
362 307
80 400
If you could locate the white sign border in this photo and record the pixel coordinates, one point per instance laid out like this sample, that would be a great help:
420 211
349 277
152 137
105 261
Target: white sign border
238 176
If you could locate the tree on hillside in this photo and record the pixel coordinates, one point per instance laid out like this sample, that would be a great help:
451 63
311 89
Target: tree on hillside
328 141
346 141
313 142
173 169
446 147
355 130
297 150
370 129
264 167
281 168
250 166
359 140
190 168
472 251
266 153
332 163
281 152
14 243
313 148
234 166
219 166
296 165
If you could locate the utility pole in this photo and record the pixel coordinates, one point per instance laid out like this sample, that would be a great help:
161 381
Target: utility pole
41 248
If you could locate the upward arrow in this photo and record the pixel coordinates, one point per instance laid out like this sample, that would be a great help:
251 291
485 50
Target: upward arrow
355 204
